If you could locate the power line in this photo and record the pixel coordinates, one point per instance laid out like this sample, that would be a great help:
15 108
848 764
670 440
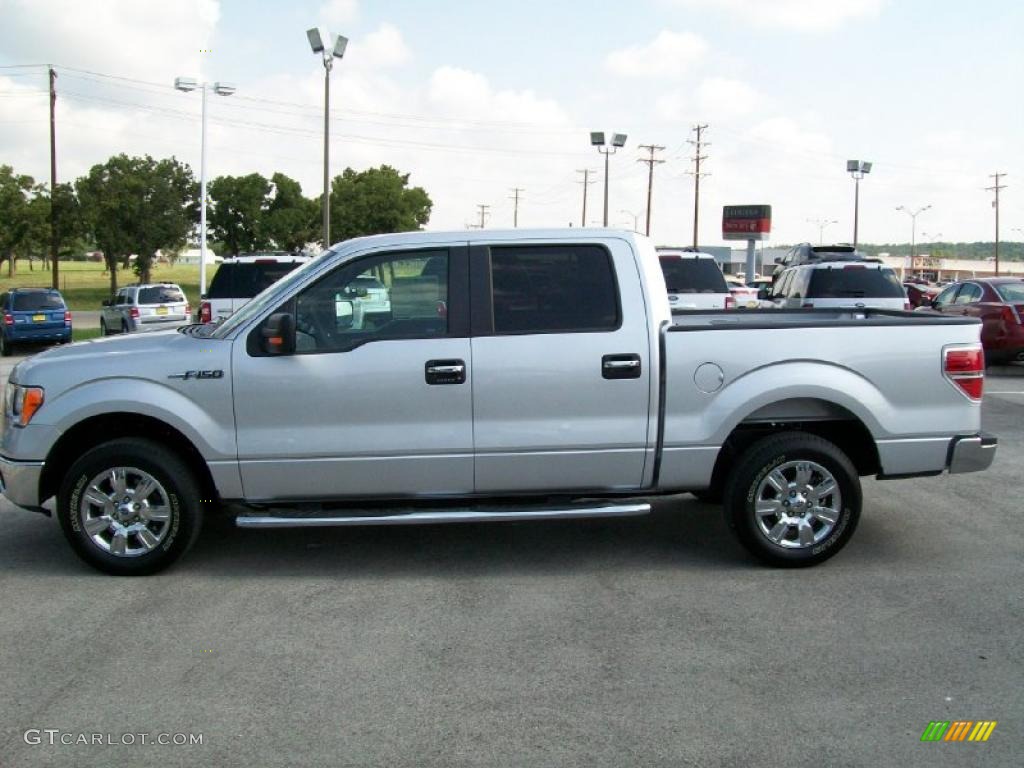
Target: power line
484 211
699 144
651 162
995 204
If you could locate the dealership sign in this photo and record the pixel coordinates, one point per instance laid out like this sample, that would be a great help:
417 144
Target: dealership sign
746 222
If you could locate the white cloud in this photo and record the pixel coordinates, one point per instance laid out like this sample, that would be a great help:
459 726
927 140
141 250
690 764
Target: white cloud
669 54
462 93
381 49
803 15
151 41
721 98
336 13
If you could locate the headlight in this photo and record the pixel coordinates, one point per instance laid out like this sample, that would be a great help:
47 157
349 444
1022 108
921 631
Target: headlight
23 402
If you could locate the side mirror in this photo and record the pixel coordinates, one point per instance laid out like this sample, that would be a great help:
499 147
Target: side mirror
345 313
279 334
108 302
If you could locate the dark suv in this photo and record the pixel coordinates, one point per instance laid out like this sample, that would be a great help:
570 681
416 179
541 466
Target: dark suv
33 316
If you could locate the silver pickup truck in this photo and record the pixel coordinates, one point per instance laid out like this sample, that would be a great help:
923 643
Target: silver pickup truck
516 376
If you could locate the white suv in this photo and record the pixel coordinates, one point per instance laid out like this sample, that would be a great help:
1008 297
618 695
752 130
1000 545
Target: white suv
840 283
239 279
694 280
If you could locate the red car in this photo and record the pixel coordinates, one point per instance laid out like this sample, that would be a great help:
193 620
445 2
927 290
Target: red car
920 294
999 303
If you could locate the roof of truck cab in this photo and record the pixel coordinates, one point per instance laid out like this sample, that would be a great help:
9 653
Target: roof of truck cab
566 234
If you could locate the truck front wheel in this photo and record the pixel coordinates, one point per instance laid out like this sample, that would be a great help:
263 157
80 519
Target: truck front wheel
129 507
792 499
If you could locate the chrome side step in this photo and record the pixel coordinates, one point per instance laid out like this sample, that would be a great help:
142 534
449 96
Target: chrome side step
425 517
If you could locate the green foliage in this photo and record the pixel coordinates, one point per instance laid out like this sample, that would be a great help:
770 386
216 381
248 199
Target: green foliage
376 201
16 216
235 213
291 220
137 205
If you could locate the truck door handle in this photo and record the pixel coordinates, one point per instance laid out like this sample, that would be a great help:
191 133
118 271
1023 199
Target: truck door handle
621 366
445 372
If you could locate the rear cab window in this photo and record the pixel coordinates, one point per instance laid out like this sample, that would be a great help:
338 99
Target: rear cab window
553 289
692 275
854 281
244 280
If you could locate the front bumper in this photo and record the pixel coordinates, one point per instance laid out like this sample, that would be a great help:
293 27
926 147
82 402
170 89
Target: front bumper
19 482
972 454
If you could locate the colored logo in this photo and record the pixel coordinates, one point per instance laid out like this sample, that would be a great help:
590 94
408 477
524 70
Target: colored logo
959 730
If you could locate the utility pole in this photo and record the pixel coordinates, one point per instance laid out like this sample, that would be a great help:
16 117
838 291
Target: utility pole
484 211
54 244
699 145
651 162
995 204
515 210
586 183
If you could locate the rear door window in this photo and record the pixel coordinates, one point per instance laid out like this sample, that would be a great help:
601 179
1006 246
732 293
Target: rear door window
161 294
854 283
1011 292
685 275
35 302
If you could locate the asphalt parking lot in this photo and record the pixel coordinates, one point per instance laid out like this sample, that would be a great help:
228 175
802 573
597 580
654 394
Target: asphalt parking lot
644 641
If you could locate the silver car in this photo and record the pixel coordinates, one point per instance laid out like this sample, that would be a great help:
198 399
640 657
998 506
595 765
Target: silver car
148 307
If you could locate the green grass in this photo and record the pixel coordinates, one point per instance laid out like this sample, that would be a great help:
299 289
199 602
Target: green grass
81 334
85 286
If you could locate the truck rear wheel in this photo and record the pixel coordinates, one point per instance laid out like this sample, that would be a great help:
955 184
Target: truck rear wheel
129 507
793 499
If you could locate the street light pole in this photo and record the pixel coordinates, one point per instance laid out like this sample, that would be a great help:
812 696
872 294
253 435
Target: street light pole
337 50
913 225
858 169
821 224
597 140
221 89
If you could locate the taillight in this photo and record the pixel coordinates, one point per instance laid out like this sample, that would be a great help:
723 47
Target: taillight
965 368
205 312
67 318
8 318
730 302
135 313
1011 314
188 310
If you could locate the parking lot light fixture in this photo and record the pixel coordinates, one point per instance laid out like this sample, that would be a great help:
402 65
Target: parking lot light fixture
858 169
913 225
330 48
597 139
188 84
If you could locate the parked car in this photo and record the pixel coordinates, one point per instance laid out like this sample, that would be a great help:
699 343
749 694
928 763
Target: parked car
33 316
920 294
744 295
999 303
862 283
541 378
805 253
239 279
694 280
149 307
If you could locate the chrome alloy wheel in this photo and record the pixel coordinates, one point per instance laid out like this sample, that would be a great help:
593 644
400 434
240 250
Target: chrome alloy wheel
797 504
125 511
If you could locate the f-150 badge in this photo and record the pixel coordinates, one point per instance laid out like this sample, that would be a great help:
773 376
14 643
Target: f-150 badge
198 375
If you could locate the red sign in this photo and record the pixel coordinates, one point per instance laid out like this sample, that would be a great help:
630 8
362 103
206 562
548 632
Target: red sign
746 222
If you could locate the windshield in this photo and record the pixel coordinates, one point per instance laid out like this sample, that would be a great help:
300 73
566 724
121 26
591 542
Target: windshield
855 282
1012 293
270 296
31 302
693 276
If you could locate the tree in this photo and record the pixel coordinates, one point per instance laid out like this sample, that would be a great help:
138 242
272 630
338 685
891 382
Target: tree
236 212
376 201
15 215
137 205
38 238
291 220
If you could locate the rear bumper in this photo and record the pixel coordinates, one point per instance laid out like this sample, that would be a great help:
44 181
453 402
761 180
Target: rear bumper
19 482
33 335
972 454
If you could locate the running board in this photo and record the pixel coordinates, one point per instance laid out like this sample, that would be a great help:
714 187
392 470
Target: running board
445 516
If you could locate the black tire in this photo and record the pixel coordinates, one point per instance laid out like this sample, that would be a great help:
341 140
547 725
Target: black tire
124 326
183 501
708 496
103 327
754 465
5 345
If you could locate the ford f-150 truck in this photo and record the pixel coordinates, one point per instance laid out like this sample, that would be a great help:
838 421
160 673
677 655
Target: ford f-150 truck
516 376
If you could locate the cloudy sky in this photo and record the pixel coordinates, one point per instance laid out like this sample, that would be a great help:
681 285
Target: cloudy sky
475 98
